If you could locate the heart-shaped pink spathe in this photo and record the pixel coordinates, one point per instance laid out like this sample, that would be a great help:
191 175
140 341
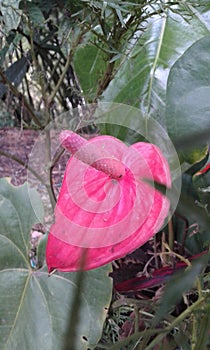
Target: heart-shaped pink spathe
105 208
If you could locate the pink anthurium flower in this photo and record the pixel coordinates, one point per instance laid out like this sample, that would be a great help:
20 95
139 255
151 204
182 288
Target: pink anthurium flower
105 208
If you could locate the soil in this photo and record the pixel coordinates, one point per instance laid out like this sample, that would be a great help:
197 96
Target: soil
16 152
18 143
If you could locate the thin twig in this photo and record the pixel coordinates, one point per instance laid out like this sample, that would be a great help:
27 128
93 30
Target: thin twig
170 234
25 165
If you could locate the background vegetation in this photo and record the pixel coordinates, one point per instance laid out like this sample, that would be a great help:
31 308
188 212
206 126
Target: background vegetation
59 55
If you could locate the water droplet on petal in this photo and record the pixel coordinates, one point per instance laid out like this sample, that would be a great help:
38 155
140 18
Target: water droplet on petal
106 217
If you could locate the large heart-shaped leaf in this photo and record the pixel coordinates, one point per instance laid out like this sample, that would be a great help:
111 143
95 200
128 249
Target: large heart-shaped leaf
188 103
35 308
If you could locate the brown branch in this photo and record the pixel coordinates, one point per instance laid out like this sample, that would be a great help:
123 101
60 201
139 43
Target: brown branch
117 36
66 67
104 82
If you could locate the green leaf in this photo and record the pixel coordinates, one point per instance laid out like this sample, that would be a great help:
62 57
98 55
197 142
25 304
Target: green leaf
44 5
15 73
17 217
182 340
204 10
192 222
183 281
201 183
41 250
203 340
142 76
11 38
11 14
188 103
35 14
34 308
89 63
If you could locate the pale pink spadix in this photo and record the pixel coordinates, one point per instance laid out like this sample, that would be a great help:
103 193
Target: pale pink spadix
96 157
105 206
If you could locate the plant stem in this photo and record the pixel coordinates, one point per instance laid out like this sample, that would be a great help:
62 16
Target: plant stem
66 67
170 234
49 184
108 75
179 319
55 90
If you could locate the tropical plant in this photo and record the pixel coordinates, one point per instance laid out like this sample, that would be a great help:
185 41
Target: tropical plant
58 58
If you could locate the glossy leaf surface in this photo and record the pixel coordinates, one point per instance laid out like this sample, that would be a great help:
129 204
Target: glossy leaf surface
141 79
188 103
35 308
